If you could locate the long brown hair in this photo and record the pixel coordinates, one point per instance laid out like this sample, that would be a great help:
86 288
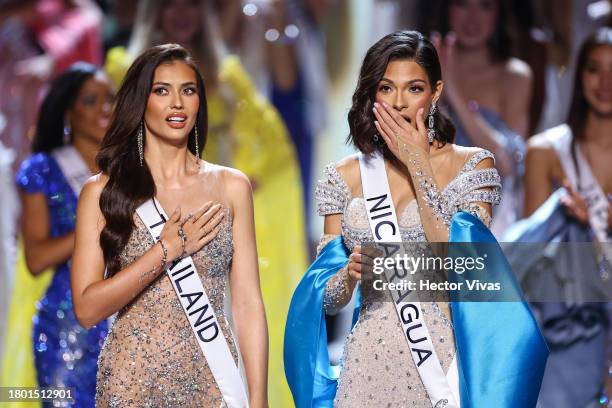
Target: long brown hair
129 183
579 108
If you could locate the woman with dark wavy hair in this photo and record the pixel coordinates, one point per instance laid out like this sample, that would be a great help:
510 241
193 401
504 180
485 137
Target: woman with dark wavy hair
160 233
73 119
397 129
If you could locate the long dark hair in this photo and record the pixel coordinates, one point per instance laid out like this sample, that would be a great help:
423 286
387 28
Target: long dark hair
61 96
129 183
579 107
410 45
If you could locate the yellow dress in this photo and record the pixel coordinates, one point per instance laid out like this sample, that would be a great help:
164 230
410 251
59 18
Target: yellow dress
247 133
18 362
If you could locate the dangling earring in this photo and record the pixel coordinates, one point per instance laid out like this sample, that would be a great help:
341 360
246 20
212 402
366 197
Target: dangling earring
67 132
431 131
197 147
140 144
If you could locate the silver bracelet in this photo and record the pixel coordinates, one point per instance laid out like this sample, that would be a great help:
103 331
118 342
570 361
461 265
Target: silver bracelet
164 253
183 237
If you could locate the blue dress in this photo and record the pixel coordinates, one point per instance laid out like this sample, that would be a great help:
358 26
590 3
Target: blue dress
65 353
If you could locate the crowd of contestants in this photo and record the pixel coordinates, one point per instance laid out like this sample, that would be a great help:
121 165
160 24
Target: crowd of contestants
512 71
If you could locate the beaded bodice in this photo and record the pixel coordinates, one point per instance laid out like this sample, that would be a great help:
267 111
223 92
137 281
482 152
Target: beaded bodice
469 187
377 369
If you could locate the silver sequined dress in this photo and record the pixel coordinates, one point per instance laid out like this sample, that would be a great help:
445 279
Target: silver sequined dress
151 357
377 368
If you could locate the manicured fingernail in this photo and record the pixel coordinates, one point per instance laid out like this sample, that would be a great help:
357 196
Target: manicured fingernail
376 104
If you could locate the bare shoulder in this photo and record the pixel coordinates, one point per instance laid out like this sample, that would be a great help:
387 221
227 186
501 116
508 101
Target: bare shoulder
540 145
516 76
348 168
92 189
540 141
236 184
540 148
89 212
517 70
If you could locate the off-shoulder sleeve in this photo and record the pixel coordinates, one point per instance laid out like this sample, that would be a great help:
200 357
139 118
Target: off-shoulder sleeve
473 187
332 194
33 173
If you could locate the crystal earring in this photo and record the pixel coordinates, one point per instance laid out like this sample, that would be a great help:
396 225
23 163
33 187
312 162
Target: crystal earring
431 131
140 140
197 147
67 132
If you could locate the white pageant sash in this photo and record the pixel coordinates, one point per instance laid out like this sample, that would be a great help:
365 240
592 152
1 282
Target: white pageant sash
583 181
596 199
443 390
73 167
200 313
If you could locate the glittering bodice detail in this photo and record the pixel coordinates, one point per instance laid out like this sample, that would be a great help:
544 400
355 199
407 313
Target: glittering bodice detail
151 357
377 368
467 188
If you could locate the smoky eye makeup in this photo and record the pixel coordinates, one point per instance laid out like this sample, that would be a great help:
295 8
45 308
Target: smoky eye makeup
190 90
159 90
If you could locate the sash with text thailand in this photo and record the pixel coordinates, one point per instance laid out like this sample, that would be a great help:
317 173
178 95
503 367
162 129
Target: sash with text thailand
443 390
200 313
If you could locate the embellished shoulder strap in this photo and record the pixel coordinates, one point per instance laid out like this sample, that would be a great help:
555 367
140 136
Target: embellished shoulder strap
332 193
474 185
476 158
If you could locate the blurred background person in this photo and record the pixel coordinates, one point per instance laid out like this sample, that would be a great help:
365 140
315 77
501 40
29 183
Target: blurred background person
73 119
575 155
118 23
566 24
282 46
488 92
8 251
38 40
247 133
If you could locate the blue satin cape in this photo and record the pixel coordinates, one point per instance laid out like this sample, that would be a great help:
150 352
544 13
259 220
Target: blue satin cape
501 351
312 379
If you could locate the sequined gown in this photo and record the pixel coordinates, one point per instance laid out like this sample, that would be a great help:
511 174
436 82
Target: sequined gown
65 353
151 357
377 368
